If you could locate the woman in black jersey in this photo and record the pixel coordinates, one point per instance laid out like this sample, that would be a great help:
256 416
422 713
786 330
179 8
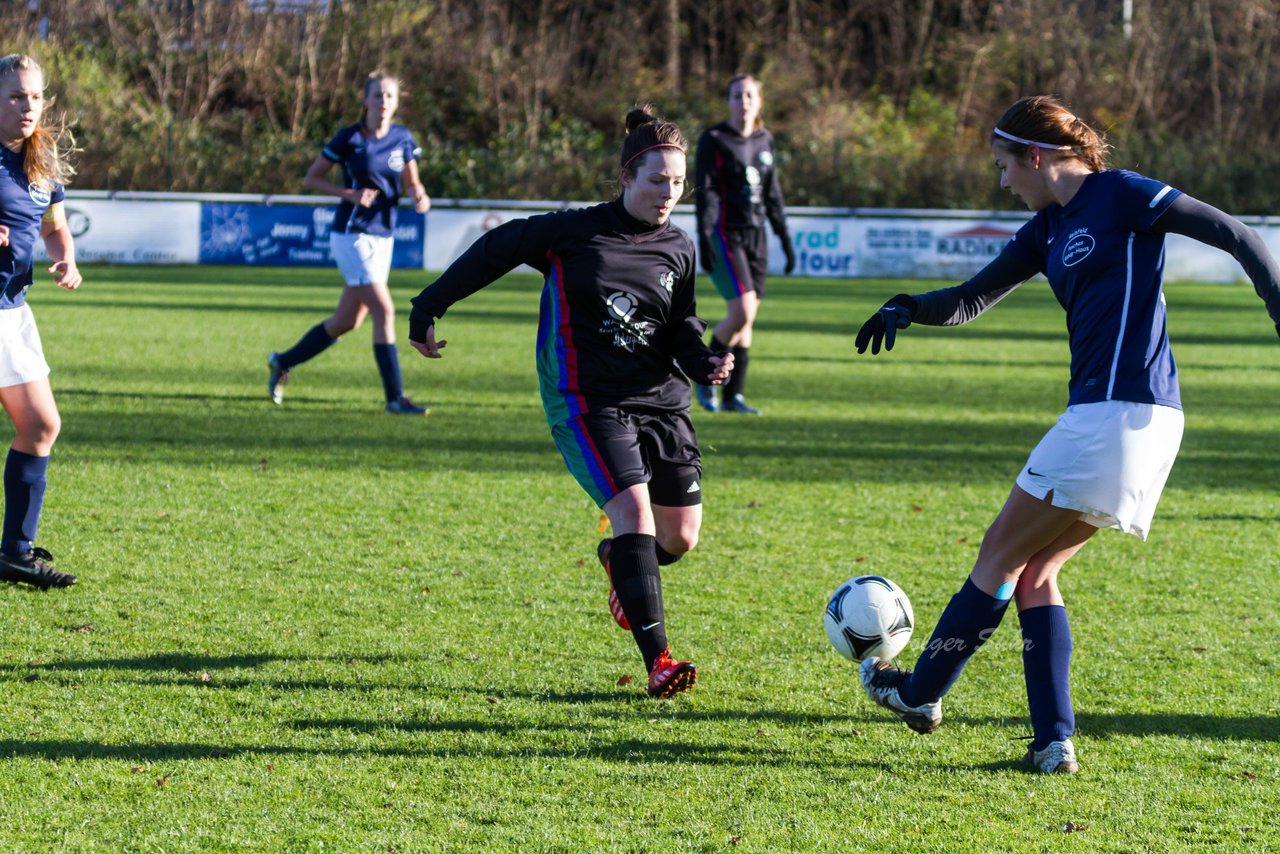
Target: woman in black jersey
618 336
737 190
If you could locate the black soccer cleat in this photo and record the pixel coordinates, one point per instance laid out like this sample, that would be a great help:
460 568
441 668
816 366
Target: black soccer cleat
736 403
33 568
880 680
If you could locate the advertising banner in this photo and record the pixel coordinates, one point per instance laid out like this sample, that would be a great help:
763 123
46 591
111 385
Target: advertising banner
122 232
291 235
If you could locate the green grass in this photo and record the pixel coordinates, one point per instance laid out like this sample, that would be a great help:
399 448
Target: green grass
319 627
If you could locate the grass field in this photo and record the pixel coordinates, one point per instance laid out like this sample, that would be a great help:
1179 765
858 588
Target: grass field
318 627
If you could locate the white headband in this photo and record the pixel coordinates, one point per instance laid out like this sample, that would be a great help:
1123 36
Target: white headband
1046 145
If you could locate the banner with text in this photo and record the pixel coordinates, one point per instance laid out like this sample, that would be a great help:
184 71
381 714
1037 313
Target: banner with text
122 232
291 235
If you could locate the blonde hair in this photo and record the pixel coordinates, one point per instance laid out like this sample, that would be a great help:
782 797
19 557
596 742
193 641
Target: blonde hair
46 153
1044 119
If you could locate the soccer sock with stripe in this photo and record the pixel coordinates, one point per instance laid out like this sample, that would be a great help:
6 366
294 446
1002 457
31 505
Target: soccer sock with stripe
388 359
24 484
1046 662
968 620
633 566
312 343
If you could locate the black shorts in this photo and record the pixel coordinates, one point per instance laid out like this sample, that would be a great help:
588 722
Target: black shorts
740 259
612 449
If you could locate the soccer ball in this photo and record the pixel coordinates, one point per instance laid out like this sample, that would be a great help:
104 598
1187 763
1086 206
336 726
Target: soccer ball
867 616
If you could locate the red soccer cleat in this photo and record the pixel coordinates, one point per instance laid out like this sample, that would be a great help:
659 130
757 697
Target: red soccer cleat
671 677
615 607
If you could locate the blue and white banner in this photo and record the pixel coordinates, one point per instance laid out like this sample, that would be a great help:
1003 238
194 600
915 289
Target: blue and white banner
291 235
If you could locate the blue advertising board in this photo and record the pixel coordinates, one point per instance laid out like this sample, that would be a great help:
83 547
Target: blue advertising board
291 235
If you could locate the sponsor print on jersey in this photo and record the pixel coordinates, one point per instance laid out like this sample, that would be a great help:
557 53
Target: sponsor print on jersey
1077 248
40 194
753 176
627 332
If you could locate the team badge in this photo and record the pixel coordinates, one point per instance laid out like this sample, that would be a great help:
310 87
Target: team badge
766 158
396 159
1077 248
667 280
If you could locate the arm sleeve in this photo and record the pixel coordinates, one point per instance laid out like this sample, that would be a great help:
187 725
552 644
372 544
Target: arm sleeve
954 306
685 330
1205 223
496 253
706 190
774 206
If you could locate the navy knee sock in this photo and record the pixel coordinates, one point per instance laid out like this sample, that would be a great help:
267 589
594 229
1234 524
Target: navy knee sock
1046 661
24 483
313 342
633 566
968 620
388 359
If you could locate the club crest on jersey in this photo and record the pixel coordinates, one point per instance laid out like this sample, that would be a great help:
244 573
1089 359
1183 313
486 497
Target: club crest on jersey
396 159
40 194
1077 247
667 280
766 157
627 332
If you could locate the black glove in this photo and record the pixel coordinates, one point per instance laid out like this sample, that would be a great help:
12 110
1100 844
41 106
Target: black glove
419 322
884 324
791 255
704 255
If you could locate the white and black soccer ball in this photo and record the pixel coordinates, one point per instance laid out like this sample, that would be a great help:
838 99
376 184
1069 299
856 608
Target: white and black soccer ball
869 615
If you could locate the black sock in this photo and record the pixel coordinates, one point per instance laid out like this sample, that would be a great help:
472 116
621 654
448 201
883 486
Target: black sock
738 378
314 342
633 565
388 360
665 558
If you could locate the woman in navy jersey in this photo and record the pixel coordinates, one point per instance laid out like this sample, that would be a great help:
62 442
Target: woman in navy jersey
379 163
1098 236
737 190
618 334
33 170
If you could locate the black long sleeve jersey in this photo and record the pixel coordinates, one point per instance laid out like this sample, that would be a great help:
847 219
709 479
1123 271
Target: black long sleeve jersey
737 183
617 314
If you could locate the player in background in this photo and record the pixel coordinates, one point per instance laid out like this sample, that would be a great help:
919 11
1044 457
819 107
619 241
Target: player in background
1098 236
379 162
618 334
33 170
737 189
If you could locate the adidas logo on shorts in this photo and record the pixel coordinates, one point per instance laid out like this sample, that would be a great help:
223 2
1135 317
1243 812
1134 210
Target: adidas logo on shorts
693 487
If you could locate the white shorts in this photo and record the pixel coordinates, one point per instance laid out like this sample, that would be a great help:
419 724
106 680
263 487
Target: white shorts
21 356
1108 460
362 258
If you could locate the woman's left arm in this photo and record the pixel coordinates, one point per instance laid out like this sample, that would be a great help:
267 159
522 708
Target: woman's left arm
409 180
60 246
1207 224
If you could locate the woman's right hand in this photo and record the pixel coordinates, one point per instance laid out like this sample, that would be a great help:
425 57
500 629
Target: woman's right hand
362 197
424 341
4 235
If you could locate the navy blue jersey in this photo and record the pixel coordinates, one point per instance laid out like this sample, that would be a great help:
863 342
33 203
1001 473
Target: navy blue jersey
21 208
1105 263
371 163
737 182
617 313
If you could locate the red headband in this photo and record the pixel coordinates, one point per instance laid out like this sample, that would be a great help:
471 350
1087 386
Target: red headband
645 150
